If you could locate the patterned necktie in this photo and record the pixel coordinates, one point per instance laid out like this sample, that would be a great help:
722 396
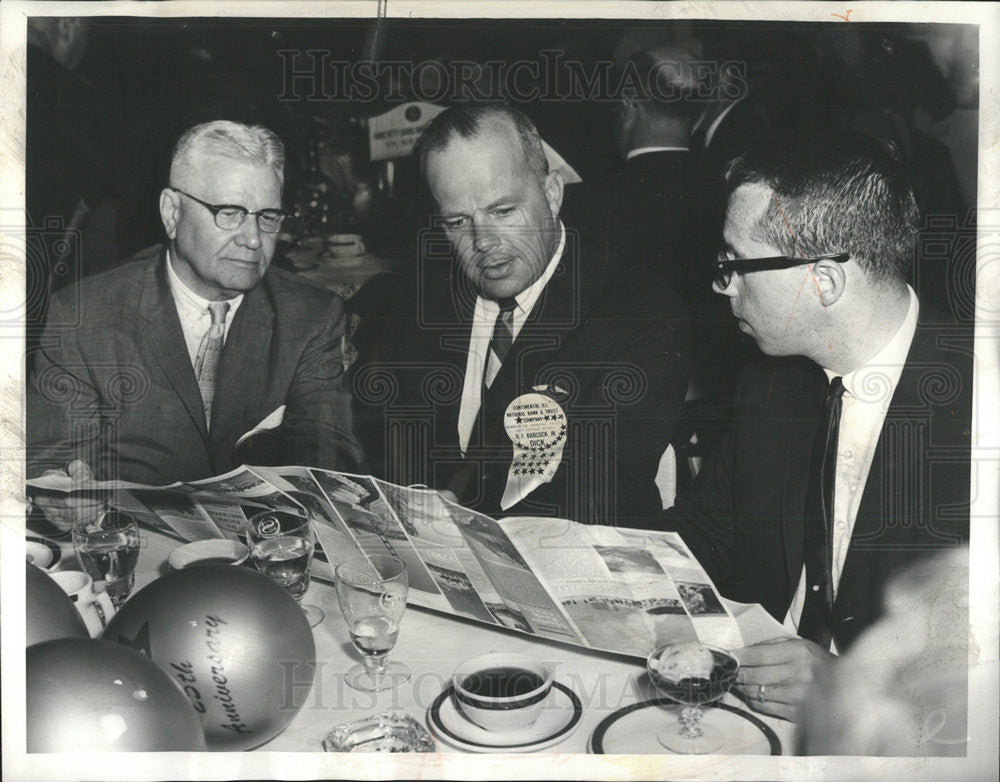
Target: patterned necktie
501 341
209 352
816 622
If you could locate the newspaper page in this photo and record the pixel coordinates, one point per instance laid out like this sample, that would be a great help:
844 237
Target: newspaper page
625 590
617 590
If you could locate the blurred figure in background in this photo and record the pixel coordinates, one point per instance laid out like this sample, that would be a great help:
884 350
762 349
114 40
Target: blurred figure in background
901 690
70 173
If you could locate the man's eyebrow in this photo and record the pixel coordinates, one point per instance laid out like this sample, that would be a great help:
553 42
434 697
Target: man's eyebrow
503 200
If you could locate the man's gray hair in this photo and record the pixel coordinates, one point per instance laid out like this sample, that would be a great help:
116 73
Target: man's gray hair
254 145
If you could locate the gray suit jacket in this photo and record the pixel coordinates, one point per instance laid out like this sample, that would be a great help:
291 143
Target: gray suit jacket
113 382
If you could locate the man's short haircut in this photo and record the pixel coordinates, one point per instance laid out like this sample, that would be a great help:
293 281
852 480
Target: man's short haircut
667 81
251 144
467 121
844 192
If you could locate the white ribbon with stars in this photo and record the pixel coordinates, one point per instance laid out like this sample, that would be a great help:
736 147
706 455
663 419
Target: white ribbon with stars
536 424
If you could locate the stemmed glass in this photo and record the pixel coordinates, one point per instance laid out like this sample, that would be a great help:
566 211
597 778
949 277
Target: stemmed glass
372 594
107 546
281 546
685 674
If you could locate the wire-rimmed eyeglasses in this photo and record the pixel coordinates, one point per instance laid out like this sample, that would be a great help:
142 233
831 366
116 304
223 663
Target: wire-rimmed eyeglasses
228 217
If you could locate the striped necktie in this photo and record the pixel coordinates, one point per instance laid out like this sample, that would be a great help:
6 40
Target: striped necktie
209 352
501 341
816 622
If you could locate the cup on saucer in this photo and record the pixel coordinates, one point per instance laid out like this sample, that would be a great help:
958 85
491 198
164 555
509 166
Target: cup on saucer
501 692
95 607
345 245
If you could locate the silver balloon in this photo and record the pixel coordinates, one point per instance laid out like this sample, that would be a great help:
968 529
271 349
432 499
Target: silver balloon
85 695
235 641
48 612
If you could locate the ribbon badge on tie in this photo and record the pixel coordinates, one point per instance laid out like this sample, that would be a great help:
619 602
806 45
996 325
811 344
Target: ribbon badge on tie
536 425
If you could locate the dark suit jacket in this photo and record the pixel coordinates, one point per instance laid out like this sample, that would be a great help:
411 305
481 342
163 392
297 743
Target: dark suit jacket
118 390
615 343
661 211
744 516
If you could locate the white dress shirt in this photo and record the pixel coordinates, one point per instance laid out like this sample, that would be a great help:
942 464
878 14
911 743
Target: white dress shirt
483 321
868 391
193 312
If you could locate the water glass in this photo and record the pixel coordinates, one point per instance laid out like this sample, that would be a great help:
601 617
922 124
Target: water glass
281 547
108 549
372 594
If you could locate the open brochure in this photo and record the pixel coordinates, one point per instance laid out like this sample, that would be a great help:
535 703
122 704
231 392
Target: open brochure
607 588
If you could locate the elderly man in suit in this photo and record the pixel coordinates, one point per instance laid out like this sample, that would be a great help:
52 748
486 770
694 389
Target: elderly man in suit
523 372
849 455
152 371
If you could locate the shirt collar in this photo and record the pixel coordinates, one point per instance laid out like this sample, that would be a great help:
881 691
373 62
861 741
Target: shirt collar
645 150
186 297
881 372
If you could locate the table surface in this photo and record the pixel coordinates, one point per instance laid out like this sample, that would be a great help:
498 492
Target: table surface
432 645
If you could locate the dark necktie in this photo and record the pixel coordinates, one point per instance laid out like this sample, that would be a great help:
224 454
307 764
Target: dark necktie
816 622
209 352
502 339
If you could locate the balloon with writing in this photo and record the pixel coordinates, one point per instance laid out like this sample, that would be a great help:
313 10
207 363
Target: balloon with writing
236 643
84 695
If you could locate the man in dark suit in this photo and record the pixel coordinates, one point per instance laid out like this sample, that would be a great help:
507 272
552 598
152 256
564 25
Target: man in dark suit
523 372
849 455
151 372
660 209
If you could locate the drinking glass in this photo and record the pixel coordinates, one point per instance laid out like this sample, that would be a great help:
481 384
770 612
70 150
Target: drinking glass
372 594
108 549
692 692
281 546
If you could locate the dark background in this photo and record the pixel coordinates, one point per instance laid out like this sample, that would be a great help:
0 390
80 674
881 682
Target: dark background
144 80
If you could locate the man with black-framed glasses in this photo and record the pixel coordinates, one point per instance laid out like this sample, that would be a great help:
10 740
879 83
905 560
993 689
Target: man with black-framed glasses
848 458
153 371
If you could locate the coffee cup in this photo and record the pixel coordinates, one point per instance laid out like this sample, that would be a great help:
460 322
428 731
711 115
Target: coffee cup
39 555
345 245
216 551
502 692
95 607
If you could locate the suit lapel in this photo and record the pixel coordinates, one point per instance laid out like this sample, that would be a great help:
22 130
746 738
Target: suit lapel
243 366
164 341
801 409
894 494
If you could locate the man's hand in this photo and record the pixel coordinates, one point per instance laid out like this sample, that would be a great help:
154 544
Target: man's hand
775 675
63 511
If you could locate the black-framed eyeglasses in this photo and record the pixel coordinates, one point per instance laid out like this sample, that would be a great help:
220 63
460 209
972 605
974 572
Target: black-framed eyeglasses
726 265
231 216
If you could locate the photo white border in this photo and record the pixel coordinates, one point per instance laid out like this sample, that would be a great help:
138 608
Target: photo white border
982 762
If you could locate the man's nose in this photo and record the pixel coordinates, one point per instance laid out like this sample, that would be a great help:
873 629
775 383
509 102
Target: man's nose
485 237
248 234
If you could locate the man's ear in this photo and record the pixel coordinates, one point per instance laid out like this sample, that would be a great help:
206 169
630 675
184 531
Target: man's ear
170 204
554 192
831 281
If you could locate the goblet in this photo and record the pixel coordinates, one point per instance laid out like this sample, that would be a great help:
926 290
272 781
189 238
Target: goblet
281 546
372 594
693 675
108 549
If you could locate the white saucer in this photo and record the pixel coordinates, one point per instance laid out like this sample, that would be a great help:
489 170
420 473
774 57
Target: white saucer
560 716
